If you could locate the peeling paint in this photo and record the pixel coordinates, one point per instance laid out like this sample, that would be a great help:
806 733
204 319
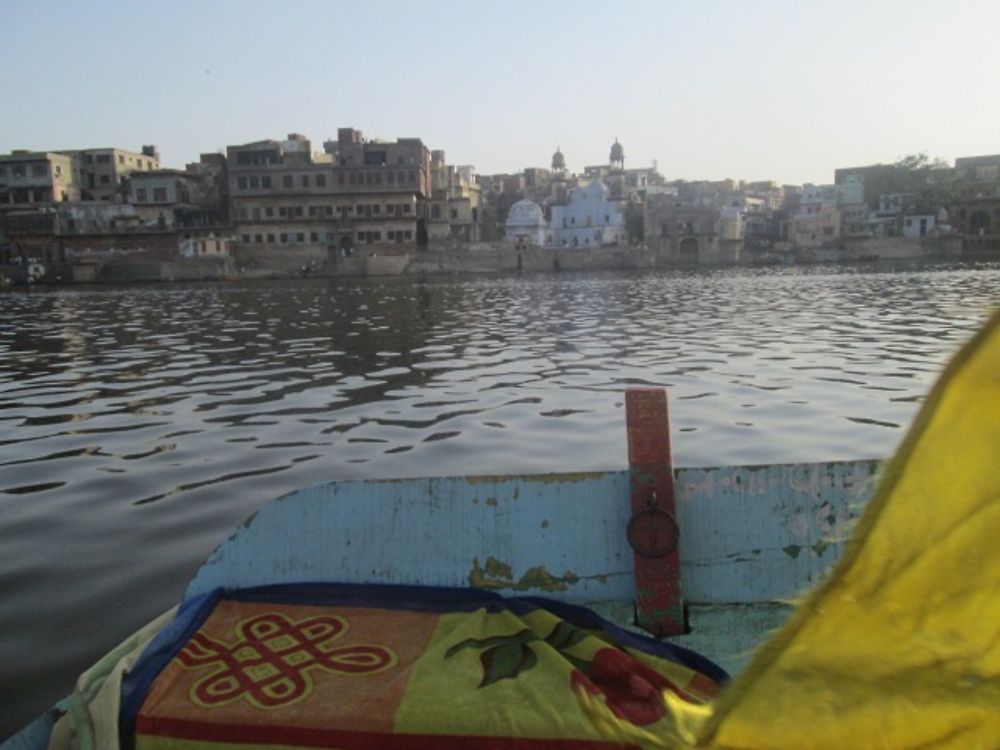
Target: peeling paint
496 575
820 547
792 550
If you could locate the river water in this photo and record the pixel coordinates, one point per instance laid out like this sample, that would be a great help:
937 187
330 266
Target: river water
138 424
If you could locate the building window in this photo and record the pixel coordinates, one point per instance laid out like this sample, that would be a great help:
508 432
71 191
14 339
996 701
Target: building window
284 238
390 235
313 237
352 178
103 158
329 210
265 181
286 181
296 211
454 214
160 195
312 210
378 178
436 211
305 180
268 211
270 238
368 177
408 234
406 208
246 239
140 195
105 179
121 159
38 170
378 236
241 183
361 236
258 238
282 211
376 210
359 209
391 177
254 182
321 180
340 178
256 213
300 236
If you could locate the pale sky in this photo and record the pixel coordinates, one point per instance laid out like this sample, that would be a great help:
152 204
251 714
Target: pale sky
750 90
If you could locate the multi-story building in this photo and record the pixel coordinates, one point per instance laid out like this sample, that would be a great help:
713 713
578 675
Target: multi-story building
463 202
30 179
685 233
102 172
194 197
357 193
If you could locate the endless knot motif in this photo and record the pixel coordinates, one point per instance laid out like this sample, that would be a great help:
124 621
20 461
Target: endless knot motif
269 664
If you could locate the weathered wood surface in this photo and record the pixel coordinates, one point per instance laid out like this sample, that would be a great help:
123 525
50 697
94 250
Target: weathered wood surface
748 534
653 531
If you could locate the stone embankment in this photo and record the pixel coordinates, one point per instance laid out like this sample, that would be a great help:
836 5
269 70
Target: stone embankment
465 258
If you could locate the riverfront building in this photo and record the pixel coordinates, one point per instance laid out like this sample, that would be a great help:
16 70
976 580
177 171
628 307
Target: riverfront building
589 219
30 179
526 225
287 199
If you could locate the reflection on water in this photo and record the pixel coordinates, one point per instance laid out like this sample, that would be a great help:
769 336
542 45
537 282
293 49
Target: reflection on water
138 424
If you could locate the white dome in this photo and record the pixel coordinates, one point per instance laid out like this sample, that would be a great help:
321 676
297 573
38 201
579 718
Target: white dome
525 213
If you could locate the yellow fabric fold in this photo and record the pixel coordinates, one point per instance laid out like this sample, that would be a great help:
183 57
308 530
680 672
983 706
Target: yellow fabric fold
900 646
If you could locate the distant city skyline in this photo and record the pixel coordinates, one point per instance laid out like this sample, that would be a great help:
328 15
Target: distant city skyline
772 91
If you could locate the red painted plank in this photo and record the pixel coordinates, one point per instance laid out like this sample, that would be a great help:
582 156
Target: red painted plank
653 530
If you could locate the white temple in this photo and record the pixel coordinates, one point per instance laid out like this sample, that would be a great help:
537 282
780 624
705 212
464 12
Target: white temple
588 220
525 224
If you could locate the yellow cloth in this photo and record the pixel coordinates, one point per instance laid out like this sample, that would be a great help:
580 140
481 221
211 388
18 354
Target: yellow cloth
900 646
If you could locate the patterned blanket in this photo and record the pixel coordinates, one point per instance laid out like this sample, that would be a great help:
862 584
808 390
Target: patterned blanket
363 667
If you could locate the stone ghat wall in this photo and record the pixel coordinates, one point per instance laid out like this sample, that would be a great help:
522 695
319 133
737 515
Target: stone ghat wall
182 269
486 257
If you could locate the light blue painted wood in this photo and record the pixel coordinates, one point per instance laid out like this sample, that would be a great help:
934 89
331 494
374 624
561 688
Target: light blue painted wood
562 532
765 533
748 534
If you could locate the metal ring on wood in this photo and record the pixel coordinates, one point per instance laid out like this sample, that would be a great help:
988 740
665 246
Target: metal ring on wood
658 520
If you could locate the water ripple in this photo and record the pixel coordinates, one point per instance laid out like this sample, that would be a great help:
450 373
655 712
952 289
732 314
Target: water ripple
139 424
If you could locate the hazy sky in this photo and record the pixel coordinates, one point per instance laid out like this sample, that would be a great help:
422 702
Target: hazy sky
750 90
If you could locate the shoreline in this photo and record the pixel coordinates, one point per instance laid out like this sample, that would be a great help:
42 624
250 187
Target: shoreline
461 259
